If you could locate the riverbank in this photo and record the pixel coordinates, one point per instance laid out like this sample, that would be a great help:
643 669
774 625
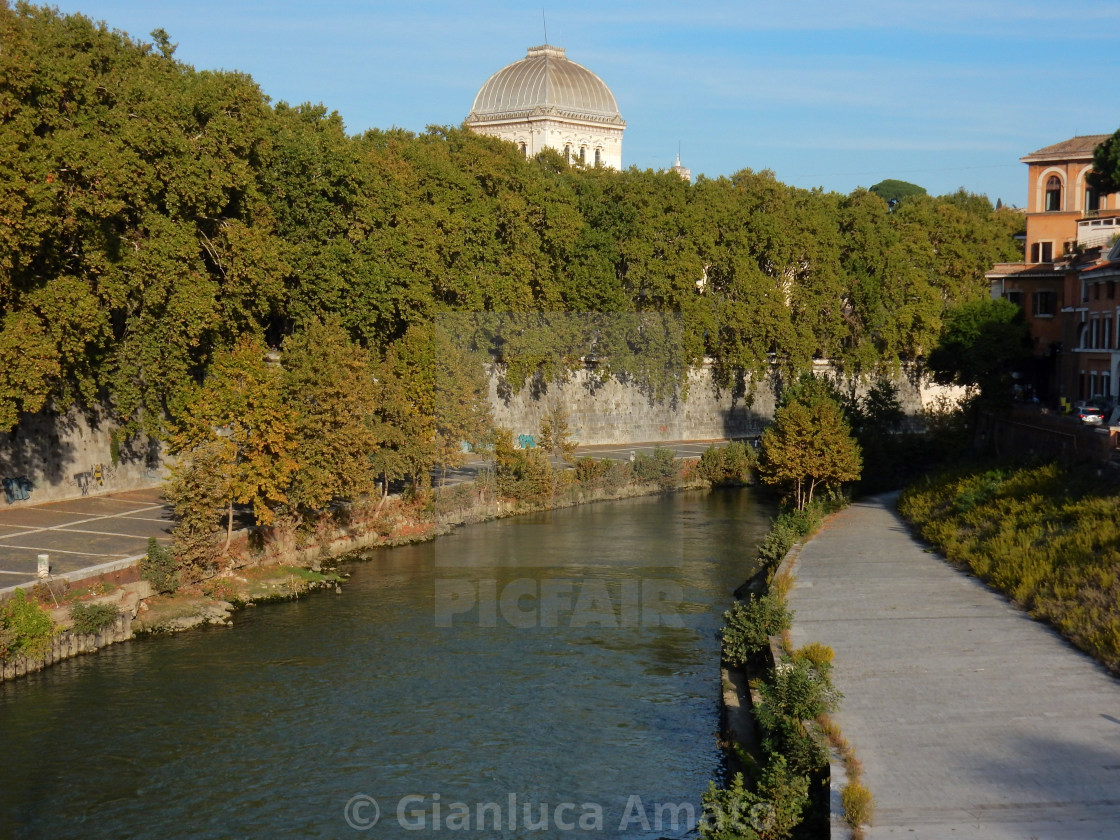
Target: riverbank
270 564
788 763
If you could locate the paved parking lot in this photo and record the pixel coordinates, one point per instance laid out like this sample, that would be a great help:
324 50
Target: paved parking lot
93 531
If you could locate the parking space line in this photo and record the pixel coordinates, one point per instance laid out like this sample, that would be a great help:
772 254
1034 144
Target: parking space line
98 533
60 551
65 526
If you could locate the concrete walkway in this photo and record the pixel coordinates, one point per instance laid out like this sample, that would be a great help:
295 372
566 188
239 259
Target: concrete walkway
971 720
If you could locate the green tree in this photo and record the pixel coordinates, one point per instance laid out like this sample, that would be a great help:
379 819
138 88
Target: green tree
555 435
892 190
808 445
434 393
1105 175
240 410
329 385
981 344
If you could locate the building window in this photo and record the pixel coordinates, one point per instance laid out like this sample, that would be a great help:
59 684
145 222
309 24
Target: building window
568 152
1094 334
1096 291
524 150
598 156
1053 193
1106 334
582 154
1045 303
1042 252
1092 200
1110 290
1014 297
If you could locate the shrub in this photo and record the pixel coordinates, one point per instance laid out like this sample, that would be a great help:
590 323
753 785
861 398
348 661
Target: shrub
523 474
816 654
749 624
771 812
731 464
26 628
661 466
159 568
786 529
858 807
93 618
799 690
590 469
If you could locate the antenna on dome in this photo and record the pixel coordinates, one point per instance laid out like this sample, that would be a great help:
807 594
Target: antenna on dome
544 20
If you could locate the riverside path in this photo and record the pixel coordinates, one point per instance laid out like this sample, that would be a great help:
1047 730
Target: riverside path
971 719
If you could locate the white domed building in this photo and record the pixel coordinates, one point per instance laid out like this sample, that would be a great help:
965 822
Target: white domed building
546 101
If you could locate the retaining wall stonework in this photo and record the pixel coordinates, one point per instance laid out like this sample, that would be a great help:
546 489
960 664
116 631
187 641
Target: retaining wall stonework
55 457
615 412
50 457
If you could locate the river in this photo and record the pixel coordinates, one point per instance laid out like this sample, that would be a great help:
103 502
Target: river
543 676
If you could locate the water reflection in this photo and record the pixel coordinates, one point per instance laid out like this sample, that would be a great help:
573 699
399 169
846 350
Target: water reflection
271 727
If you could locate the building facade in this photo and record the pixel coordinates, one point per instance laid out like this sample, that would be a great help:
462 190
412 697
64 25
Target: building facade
1069 227
547 101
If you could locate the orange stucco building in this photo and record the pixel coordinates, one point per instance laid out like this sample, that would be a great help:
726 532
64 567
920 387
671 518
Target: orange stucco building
1069 227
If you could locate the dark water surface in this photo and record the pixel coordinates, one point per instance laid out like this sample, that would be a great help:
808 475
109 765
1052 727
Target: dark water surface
528 663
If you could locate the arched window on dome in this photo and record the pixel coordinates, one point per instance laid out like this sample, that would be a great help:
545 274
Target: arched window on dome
1053 193
598 156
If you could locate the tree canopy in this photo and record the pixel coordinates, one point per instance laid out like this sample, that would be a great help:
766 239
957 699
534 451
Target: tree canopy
893 190
1105 176
161 224
981 344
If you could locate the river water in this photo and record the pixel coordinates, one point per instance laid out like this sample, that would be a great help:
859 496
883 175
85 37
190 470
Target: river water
545 676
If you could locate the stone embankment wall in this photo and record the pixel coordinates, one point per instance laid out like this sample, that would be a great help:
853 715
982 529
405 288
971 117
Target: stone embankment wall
67 643
616 412
50 457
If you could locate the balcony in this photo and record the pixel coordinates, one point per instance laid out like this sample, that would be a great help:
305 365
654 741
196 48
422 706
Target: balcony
1094 229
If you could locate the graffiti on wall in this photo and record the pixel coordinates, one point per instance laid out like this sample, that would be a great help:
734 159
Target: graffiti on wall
18 489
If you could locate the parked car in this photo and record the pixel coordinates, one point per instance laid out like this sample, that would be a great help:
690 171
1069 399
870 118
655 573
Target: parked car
1089 414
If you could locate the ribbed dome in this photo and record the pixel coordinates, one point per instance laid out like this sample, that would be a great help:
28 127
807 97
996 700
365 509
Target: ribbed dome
545 82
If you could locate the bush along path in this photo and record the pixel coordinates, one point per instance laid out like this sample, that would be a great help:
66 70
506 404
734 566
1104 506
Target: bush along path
779 757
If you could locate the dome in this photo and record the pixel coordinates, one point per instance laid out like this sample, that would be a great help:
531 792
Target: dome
545 82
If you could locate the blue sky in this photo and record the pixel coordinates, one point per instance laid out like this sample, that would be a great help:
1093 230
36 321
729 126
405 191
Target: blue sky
946 94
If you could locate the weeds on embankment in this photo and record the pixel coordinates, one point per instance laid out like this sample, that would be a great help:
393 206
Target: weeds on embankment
1047 536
